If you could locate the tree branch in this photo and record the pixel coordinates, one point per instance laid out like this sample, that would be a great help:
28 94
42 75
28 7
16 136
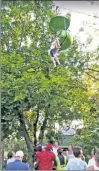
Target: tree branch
23 126
21 37
93 77
93 70
43 127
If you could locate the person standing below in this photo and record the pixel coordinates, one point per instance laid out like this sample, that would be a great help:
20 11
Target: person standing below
18 164
56 147
69 153
11 157
60 161
92 160
45 158
95 164
76 163
38 149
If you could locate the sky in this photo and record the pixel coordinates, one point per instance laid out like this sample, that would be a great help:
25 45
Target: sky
77 18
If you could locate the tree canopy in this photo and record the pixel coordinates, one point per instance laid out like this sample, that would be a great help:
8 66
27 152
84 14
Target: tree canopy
34 95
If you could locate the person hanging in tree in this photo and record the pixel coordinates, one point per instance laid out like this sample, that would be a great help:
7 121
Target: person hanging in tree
54 50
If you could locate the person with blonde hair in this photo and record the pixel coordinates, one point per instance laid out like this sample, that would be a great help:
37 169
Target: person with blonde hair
92 160
54 50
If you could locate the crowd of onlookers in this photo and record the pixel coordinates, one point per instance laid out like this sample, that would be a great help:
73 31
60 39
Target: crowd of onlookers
53 157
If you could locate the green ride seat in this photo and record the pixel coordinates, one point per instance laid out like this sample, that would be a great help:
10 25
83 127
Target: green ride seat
57 23
66 41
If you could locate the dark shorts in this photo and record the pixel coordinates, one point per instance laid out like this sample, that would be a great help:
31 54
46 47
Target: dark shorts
52 52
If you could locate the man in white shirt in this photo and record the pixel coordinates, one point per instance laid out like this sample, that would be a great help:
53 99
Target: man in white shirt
76 163
69 153
55 147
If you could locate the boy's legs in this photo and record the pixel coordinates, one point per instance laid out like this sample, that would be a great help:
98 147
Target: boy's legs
52 53
56 58
54 62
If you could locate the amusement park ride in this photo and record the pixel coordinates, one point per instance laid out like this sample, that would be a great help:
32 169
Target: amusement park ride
59 26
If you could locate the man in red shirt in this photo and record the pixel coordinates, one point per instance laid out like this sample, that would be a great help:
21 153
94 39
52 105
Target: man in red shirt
45 158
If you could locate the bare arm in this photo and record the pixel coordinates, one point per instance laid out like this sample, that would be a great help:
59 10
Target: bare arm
57 43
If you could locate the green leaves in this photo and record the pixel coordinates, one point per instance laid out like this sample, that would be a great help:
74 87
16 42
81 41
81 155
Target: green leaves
28 77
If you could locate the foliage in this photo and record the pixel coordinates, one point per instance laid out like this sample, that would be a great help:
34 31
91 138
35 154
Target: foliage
35 95
88 137
15 144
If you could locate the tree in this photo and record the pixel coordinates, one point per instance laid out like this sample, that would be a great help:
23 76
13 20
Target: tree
88 137
21 62
31 88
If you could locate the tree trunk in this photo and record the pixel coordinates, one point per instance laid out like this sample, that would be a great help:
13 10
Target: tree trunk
34 133
26 136
35 128
1 155
43 127
25 133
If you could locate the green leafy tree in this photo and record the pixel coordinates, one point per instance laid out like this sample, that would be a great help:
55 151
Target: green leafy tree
31 88
88 137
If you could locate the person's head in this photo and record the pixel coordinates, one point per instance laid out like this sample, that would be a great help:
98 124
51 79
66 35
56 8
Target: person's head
19 155
77 151
70 149
59 151
48 147
11 154
39 148
56 144
58 33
